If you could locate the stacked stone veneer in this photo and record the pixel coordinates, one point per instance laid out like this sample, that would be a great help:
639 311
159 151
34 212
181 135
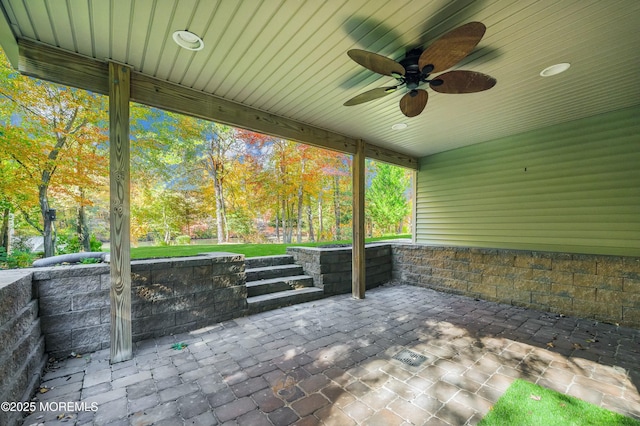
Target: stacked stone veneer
22 355
606 288
167 296
331 267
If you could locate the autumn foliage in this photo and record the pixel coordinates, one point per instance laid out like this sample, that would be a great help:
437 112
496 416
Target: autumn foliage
190 178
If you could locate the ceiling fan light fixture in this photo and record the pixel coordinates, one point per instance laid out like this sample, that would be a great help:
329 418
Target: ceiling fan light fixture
399 126
188 40
555 69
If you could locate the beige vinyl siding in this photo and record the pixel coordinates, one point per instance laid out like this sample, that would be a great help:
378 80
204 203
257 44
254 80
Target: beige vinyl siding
573 187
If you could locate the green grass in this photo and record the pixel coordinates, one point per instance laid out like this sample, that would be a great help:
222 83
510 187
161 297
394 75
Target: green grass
525 404
249 250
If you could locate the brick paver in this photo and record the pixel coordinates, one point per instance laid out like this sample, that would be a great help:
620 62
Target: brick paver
331 362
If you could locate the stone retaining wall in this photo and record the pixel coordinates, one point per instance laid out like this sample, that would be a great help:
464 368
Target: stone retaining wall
606 288
331 267
168 296
22 357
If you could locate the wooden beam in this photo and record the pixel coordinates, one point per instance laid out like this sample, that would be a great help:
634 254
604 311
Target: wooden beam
358 251
389 156
63 67
161 94
119 88
8 40
68 68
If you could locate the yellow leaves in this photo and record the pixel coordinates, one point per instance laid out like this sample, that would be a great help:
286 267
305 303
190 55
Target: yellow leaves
48 131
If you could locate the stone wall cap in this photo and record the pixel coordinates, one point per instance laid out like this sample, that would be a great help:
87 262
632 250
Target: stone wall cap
223 255
63 271
10 276
515 252
211 257
337 247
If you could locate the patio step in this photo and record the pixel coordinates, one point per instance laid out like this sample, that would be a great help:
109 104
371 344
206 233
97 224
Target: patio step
280 299
273 285
264 261
275 271
275 281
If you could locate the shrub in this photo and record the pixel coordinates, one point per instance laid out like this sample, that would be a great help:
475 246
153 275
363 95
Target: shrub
183 240
96 245
66 244
3 258
70 243
256 238
160 242
20 259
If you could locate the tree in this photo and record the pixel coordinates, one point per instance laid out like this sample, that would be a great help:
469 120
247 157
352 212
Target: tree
219 140
387 203
42 125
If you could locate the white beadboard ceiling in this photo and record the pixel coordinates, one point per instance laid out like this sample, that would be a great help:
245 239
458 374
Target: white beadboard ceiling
289 57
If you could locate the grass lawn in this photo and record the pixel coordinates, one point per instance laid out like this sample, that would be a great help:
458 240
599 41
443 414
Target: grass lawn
249 250
525 404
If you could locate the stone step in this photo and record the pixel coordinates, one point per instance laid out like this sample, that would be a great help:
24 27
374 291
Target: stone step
272 285
264 261
280 299
276 271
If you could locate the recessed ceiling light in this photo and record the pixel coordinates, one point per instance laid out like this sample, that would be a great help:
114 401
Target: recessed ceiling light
555 69
188 40
399 126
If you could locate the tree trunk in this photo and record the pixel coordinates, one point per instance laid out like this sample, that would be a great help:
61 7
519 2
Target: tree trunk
290 215
224 214
284 221
336 205
219 210
167 229
4 230
83 228
300 197
49 248
277 221
310 220
320 225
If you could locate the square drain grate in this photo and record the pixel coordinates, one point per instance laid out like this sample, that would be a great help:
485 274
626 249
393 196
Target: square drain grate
410 358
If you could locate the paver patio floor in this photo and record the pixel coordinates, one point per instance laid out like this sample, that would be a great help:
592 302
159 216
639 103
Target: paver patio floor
331 362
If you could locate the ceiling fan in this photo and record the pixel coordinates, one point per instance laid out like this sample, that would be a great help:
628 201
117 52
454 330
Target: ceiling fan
417 66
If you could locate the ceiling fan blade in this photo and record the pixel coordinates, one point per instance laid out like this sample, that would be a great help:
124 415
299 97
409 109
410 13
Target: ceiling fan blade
370 95
414 105
376 63
462 82
452 47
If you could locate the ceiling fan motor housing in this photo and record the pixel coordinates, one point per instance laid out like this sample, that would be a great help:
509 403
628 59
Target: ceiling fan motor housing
413 75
